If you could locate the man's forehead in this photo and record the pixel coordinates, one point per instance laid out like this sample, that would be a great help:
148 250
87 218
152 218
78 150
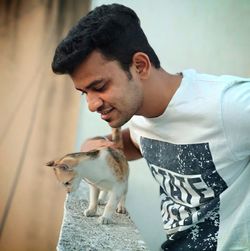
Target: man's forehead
94 61
89 71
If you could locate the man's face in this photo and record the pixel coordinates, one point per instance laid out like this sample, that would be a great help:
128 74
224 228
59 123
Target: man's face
108 89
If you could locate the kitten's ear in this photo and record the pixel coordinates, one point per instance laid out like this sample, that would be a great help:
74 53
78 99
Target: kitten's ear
51 163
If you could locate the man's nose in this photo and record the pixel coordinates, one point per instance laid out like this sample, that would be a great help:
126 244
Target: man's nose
94 102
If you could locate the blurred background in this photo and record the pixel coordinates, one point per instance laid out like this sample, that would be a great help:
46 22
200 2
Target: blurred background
42 117
39 114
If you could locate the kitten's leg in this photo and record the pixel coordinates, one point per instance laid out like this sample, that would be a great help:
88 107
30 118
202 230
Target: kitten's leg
115 196
93 192
109 209
103 197
121 205
121 209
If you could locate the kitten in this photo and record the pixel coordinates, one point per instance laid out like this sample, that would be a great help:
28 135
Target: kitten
104 169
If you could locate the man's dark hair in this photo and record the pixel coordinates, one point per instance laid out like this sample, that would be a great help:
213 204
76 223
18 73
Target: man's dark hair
114 30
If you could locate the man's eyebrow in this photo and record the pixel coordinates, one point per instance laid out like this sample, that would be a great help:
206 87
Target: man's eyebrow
91 84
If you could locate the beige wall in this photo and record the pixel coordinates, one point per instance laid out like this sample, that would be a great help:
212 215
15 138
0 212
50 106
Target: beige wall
39 113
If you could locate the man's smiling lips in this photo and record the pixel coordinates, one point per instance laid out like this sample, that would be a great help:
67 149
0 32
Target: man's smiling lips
105 114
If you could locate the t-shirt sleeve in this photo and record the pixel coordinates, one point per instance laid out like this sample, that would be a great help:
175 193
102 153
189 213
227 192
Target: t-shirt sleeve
236 119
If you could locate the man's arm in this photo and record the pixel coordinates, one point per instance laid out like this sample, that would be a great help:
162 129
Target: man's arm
131 151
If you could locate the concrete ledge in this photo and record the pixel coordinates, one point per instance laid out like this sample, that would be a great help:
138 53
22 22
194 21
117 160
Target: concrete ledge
85 233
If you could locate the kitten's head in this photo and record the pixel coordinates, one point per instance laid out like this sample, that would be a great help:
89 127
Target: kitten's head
65 168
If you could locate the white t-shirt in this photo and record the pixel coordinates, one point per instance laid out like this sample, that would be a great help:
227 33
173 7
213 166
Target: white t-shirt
198 151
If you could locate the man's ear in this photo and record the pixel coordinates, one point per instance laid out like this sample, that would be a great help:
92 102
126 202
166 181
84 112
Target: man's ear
142 64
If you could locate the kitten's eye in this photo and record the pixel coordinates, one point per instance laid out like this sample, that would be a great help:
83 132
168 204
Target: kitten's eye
63 167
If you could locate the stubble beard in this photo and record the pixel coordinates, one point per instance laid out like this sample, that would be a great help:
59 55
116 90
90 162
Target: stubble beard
118 123
134 108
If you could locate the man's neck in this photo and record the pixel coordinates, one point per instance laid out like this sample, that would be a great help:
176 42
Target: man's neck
159 90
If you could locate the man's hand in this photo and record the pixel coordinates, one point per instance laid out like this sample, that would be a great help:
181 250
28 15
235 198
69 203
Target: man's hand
130 150
95 143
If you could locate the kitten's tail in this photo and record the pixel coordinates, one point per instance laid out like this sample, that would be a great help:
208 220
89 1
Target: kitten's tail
117 137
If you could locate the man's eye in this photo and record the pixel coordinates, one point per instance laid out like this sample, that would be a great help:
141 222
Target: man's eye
99 87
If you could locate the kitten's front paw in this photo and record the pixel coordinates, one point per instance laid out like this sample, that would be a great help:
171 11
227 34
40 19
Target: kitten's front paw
105 220
90 212
121 210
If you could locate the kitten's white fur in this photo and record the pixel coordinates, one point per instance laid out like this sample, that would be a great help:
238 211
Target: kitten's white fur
104 169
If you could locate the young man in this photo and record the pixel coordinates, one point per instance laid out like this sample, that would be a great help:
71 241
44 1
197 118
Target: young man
192 129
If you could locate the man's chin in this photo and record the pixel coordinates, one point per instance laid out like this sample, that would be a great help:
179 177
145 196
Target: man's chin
113 124
116 123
